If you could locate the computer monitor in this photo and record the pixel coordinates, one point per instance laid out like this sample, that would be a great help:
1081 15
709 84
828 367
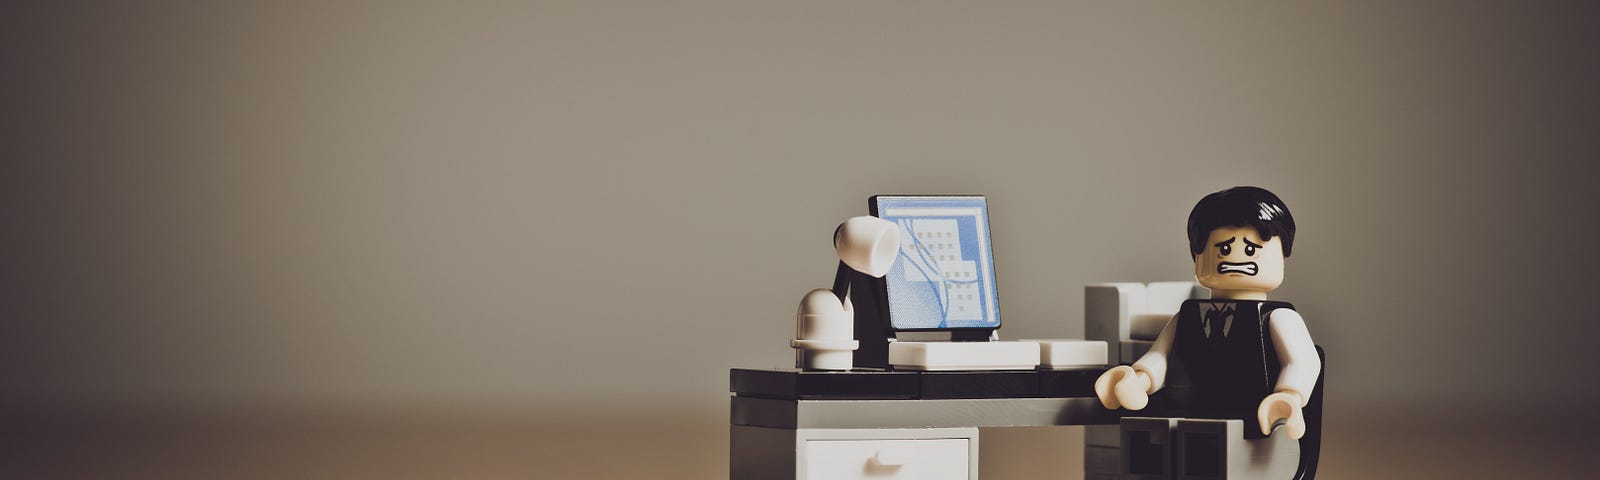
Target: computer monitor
943 278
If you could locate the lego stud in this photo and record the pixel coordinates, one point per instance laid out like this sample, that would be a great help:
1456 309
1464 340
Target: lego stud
867 244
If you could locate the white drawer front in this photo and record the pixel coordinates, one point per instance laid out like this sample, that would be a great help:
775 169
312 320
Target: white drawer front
930 459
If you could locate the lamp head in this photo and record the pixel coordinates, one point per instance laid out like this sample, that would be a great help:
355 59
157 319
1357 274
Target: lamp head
867 244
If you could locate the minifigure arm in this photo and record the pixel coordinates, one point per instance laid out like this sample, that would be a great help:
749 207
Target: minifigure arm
1130 387
1297 355
1154 362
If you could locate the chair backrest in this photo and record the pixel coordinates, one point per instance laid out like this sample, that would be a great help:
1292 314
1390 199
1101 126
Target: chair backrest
1128 315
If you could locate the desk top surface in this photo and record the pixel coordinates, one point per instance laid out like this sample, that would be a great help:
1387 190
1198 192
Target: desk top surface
867 384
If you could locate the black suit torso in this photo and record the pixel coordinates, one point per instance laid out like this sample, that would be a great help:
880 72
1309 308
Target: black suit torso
1222 361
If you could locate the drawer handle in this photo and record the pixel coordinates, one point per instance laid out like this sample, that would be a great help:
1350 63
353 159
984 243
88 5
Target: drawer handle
895 456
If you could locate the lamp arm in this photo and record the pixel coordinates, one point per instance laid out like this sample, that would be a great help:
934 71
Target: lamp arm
841 283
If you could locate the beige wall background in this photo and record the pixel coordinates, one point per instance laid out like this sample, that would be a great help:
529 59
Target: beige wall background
586 208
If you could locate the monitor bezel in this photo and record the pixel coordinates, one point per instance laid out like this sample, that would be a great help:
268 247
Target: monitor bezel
881 286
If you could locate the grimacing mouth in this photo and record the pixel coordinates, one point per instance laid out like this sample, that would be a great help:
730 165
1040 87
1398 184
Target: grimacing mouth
1247 268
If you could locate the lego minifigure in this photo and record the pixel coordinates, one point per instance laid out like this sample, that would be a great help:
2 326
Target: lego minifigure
1213 359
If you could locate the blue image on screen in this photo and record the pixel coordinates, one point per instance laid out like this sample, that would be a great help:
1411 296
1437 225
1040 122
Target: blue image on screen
943 277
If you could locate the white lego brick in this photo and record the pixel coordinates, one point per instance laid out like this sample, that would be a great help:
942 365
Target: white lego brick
1115 312
934 459
1147 326
936 453
1105 312
1166 297
1072 353
936 356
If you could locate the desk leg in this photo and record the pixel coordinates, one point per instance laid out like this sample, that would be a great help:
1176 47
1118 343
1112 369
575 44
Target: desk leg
760 453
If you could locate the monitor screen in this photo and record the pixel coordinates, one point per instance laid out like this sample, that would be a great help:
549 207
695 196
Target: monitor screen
943 277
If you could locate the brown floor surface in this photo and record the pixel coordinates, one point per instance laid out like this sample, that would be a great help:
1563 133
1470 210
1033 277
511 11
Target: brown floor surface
689 446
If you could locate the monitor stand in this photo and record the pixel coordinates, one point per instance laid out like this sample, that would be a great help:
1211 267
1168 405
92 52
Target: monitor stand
910 352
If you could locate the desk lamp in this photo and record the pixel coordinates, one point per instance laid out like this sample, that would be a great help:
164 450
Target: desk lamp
825 323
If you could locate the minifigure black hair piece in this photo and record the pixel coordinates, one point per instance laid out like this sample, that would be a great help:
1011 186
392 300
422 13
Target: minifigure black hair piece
1241 207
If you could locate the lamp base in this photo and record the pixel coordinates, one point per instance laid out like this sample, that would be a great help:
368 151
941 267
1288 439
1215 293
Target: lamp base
824 359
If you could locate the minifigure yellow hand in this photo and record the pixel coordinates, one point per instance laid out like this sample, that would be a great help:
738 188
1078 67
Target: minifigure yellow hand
1282 406
1122 386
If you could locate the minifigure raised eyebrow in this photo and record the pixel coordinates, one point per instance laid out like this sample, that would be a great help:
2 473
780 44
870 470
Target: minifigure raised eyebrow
1227 242
1250 243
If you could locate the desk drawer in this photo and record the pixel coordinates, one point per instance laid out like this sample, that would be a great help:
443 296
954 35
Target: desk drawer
930 458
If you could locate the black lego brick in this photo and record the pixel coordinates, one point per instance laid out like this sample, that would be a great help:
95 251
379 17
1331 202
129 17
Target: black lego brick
980 384
763 412
798 384
1068 383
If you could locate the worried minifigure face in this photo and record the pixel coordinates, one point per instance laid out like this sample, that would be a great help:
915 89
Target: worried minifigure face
1237 260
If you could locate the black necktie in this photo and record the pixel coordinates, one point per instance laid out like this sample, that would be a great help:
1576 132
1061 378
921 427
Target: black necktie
1217 321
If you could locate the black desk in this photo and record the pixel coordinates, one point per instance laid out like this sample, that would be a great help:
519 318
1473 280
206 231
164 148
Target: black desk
777 413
